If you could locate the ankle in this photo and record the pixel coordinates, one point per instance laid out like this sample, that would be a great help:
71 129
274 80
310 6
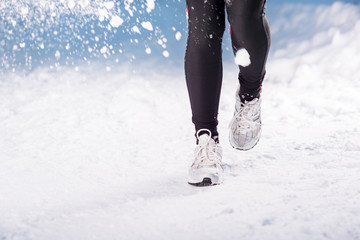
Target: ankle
212 133
247 95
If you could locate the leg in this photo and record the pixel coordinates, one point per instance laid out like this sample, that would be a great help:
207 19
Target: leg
250 30
203 61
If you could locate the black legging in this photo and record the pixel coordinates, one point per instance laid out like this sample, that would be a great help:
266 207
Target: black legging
203 62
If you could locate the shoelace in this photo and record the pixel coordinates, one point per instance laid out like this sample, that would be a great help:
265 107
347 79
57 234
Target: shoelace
242 119
206 153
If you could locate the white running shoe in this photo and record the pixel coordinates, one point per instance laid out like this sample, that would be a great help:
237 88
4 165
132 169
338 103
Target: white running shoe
206 169
245 127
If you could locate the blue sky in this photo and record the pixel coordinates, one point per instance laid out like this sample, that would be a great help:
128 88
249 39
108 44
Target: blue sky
75 38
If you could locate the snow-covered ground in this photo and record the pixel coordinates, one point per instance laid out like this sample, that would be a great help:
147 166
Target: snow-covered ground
100 152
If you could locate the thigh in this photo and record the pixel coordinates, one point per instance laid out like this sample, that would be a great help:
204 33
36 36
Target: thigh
244 9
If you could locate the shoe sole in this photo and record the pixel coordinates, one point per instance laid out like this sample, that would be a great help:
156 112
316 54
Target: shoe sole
204 183
243 149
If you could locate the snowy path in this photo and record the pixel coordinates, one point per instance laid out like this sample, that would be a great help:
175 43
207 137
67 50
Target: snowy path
92 154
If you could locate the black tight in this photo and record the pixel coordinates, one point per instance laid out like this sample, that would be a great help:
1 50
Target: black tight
203 62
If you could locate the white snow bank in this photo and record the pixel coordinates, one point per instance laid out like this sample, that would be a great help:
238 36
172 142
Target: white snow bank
62 132
315 43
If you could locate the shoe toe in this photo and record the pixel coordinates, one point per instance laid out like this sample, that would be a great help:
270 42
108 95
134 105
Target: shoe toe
199 174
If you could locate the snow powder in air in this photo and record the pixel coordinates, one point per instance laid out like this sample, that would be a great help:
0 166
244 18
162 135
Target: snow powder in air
178 36
103 49
109 5
242 58
116 21
135 29
166 54
150 5
24 10
93 23
71 4
147 25
57 55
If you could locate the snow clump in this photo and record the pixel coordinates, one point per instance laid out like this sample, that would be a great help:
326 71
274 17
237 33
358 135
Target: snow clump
116 21
147 26
150 5
178 36
242 58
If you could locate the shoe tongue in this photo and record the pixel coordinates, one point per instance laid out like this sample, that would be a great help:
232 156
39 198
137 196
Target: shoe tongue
203 138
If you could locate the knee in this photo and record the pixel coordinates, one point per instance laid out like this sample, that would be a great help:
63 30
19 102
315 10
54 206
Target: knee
207 39
244 22
212 36
248 29
216 30
206 33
